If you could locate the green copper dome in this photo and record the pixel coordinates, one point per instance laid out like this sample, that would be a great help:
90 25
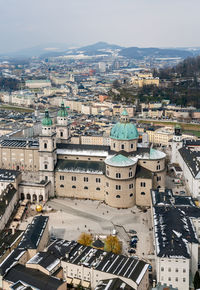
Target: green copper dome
62 112
124 113
124 131
120 161
47 120
177 126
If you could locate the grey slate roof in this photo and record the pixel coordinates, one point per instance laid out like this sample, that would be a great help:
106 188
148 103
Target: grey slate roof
113 284
142 172
75 253
8 175
80 166
33 233
192 159
32 277
19 143
82 147
173 228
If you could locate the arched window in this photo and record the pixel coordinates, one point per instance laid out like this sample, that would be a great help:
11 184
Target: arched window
85 187
40 197
118 196
34 197
98 188
45 166
61 134
73 186
131 194
45 145
122 146
28 196
62 185
142 193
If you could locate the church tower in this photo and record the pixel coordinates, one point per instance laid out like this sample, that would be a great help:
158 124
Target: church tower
177 143
62 126
47 151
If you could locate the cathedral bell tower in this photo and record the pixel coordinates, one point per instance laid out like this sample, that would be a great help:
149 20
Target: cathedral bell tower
47 151
177 143
62 126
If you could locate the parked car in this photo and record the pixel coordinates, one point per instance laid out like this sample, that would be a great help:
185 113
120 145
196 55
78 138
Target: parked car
133 244
150 268
134 241
132 232
182 192
132 251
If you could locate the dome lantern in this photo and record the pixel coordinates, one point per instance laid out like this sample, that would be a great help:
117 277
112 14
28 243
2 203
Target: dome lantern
62 112
47 120
124 116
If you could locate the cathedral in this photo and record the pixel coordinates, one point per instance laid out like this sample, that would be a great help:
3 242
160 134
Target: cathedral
121 175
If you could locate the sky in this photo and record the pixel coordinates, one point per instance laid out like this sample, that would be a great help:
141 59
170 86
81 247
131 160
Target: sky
143 23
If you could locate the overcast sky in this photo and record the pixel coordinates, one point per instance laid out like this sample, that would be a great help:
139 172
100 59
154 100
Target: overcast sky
143 23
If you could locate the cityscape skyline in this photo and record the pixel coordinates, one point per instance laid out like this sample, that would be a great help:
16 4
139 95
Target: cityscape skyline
127 23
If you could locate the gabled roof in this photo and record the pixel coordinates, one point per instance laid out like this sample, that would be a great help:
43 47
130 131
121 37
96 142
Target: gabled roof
173 227
34 232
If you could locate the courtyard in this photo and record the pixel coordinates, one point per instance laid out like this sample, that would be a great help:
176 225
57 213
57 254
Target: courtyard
68 218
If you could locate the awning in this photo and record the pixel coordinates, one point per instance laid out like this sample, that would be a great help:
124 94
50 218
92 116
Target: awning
86 284
69 280
76 281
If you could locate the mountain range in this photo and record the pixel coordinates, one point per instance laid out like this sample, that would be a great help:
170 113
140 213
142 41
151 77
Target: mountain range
100 48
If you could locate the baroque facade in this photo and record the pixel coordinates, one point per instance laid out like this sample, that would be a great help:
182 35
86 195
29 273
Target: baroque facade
121 174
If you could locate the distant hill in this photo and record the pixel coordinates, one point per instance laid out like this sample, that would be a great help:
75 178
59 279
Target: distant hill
45 49
100 45
140 53
98 48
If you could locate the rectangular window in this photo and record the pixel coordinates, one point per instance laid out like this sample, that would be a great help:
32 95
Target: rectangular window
107 184
130 174
130 185
158 167
73 178
85 179
143 184
118 175
61 177
98 180
131 146
158 178
118 187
